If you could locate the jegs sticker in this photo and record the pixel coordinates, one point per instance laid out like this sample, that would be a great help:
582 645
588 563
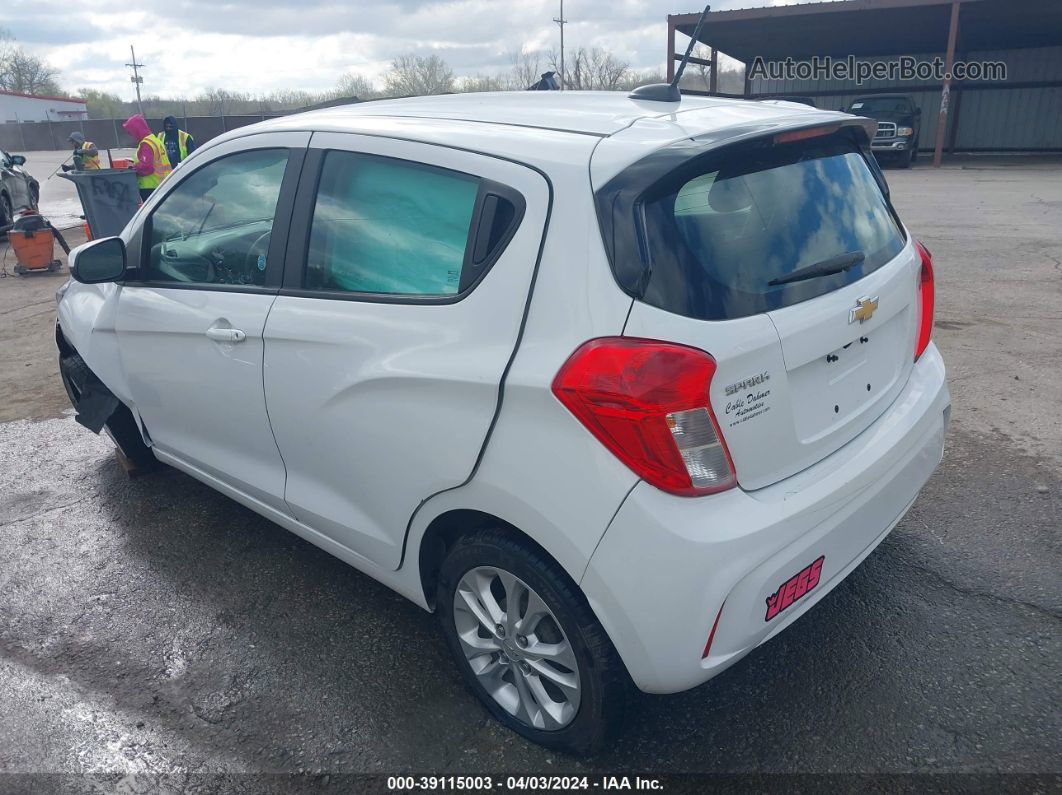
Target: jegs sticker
796 587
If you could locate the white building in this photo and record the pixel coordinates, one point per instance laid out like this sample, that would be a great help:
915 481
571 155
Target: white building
33 107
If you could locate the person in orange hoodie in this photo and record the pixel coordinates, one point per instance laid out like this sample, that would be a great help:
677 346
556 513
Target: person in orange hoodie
152 165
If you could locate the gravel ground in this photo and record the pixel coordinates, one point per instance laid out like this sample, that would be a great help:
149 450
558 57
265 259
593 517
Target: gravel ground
154 634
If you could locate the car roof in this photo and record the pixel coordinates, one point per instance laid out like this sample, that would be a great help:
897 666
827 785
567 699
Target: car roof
539 127
596 113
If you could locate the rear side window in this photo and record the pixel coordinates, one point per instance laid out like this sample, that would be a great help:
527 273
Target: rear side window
390 227
718 229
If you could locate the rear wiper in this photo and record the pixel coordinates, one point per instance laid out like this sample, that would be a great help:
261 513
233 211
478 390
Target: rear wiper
836 264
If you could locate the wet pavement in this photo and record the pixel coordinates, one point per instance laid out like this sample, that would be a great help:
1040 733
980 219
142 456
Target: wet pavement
153 628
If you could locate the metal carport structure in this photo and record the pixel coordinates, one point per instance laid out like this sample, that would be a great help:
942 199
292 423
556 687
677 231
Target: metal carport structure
1022 113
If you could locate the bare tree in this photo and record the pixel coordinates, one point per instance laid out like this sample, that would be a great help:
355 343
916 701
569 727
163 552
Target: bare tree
635 78
731 80
352 84
591 69
698 72
472 83
22 72
221 102
416 75
526 69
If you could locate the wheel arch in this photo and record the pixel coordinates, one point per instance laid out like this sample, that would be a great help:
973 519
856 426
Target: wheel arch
444 531
65 348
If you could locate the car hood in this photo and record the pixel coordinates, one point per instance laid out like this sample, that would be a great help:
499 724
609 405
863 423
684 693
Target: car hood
889 115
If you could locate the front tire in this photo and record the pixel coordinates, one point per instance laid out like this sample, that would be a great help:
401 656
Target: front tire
7 215
527 643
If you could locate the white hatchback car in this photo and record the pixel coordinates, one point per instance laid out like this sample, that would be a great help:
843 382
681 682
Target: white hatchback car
619 388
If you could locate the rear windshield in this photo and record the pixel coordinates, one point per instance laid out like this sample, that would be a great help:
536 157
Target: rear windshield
717 230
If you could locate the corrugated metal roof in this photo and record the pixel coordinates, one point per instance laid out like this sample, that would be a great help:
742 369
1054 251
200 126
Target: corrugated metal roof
875 27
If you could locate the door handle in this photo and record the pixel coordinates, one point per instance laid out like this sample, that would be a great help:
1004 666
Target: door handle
226 334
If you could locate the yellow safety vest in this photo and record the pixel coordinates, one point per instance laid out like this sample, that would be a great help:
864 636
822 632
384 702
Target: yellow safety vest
89 163
162 164
182 142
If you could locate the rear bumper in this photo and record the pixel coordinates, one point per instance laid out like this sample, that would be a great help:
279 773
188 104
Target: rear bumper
666 564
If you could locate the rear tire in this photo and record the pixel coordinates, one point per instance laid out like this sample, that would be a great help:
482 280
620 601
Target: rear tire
578 706
121 426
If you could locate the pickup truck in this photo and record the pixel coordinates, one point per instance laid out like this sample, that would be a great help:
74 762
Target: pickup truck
899 123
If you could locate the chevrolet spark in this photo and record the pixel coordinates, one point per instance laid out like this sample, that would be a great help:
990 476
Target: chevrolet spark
618 388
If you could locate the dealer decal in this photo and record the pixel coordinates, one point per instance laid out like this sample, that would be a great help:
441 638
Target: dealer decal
796 587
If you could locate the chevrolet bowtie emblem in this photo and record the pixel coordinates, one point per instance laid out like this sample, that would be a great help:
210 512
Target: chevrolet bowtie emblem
864 310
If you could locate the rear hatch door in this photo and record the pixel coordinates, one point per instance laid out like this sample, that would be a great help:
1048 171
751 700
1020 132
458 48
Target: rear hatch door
806 364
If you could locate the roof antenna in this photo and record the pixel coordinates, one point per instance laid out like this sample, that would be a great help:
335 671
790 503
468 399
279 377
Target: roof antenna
669 92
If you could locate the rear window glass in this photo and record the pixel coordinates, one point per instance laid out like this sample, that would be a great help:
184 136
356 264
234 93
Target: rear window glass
719 229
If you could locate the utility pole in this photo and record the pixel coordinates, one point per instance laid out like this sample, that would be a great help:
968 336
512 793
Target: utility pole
561 22
136 79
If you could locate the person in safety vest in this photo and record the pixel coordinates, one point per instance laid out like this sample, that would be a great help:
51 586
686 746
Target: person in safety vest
152 164
178 143
86 155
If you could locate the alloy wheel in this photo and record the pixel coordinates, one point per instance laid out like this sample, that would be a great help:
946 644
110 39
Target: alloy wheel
516 648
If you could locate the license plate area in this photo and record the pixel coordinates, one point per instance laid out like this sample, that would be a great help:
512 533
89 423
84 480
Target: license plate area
843 384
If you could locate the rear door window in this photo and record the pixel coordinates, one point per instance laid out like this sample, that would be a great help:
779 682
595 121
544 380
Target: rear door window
716 231
389 227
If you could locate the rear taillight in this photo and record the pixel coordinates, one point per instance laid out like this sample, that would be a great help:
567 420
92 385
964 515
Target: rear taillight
925 300
647 402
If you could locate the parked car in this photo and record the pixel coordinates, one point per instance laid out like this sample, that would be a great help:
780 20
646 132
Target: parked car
18 190
618 392
899 123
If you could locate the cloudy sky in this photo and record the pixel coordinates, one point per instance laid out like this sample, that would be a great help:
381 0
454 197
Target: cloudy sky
258 46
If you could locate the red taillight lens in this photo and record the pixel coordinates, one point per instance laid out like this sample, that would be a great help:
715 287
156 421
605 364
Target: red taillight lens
647 402
925 300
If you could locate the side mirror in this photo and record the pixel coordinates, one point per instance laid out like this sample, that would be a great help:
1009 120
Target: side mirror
18 160
917 111
99 261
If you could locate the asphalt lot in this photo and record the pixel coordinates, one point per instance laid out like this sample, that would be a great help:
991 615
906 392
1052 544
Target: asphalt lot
155 634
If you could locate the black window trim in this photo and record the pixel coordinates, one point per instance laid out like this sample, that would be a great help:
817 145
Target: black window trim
277 241
298 239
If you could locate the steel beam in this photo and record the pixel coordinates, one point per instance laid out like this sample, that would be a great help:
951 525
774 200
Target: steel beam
945 92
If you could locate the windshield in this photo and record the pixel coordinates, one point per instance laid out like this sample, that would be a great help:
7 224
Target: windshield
880 105
718 231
